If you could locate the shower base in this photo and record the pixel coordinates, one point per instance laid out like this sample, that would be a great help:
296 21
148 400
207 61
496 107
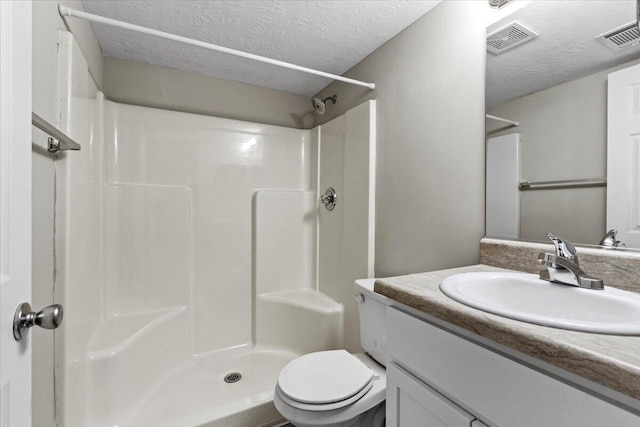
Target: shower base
139 370
198 396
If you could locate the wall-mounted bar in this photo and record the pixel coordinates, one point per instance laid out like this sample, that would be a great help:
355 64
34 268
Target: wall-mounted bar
568 183
57 140
500 119
66 11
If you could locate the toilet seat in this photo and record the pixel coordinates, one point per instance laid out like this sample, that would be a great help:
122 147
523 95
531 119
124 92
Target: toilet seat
323 406
340 417
324 381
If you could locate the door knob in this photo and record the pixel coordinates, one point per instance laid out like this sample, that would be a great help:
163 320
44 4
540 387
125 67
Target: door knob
49 317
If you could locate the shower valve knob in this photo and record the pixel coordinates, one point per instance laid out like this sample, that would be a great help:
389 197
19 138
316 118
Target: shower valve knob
329 198
49 317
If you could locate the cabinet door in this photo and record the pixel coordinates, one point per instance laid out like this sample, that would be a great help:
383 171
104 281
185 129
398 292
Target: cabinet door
411 403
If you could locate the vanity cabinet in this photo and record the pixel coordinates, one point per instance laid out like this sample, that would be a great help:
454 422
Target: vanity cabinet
437 375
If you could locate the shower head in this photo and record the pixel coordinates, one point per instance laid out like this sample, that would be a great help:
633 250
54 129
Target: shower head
320 105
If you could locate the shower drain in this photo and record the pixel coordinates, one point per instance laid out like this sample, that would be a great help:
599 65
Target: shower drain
233 377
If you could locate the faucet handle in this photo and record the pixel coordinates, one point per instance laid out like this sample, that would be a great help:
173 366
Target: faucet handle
564 248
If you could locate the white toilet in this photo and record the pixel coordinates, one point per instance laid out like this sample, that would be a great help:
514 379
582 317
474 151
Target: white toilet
335 388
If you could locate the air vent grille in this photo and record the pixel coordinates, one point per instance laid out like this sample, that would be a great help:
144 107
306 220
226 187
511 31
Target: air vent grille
498 4
509 37
621 38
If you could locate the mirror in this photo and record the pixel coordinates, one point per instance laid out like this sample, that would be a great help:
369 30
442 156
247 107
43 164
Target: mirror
550 77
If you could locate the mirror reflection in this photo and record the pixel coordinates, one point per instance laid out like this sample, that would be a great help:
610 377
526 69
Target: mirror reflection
550 77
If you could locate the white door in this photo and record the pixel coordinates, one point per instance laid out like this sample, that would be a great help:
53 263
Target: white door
623 155
502 215
15 208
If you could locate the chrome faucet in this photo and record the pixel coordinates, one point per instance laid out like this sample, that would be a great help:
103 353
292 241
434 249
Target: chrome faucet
610 241
563 266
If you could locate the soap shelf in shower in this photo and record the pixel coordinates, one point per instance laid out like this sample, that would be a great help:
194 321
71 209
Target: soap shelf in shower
309 299
120 332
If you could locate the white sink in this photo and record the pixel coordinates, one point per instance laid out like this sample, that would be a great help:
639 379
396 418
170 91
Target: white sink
525 297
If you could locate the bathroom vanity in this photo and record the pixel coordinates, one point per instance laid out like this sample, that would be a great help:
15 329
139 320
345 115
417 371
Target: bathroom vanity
458 366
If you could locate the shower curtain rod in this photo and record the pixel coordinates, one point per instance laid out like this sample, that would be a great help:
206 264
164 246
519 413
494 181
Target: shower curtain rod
67 11
500 119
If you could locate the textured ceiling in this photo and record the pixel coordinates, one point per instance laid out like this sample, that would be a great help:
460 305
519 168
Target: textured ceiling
566 48
331 36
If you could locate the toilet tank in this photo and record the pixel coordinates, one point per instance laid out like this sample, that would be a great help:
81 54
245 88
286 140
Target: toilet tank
372 309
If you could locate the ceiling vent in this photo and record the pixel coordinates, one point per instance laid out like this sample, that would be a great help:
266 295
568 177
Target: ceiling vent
509 37
621 38
499 4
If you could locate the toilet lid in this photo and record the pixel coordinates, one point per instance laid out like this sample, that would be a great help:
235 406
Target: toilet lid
324 377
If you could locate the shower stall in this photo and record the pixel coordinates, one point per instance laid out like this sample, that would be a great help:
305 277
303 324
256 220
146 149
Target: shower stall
194 259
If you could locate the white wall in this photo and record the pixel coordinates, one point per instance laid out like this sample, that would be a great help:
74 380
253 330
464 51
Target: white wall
430 132
161 87
564 136
46 23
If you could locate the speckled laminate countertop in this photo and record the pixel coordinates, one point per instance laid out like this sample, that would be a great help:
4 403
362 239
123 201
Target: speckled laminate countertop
612 361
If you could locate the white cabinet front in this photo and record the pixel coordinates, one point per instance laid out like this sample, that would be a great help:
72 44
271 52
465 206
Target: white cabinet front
494 388
411 403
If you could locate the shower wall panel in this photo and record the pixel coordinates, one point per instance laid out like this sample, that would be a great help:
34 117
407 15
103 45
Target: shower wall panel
78 281
346 251
182 175
289 311
284 240
148 242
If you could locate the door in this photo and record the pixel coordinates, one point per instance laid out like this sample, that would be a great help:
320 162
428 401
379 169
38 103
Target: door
15 208
623 155
502 192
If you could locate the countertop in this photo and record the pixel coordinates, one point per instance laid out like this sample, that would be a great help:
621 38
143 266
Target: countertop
608 360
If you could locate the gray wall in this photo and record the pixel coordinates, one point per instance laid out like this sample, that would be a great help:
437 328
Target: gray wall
430 130
161 87
46 23
564 136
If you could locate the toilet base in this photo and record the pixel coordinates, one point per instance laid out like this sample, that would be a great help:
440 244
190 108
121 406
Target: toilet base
374 417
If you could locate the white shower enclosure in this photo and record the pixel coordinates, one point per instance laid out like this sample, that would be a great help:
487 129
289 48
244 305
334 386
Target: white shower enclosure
194 260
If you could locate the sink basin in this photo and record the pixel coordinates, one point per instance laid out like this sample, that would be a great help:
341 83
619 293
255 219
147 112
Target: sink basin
525 297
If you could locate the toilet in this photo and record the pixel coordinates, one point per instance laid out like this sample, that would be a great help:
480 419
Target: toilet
336 388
